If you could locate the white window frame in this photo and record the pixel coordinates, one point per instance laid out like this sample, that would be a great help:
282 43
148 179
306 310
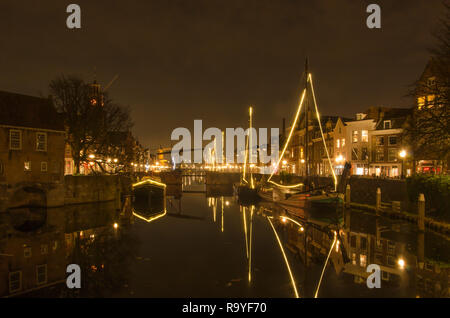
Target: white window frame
37 274
11 131
385 122
20 282
37 141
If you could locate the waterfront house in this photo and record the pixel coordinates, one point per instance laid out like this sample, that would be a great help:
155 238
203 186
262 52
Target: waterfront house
31 146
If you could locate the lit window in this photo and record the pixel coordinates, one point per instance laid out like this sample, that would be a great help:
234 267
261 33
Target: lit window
15 281
41 141
338 143
362 260
41 274
421 102
364 136
15 139
355 136
43 166
354 258
343 142
387 124
27 166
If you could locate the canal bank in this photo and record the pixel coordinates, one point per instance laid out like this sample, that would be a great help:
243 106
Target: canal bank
72 190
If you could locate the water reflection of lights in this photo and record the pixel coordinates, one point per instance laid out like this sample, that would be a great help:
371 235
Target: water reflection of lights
250 248
325 265
150 219
285 258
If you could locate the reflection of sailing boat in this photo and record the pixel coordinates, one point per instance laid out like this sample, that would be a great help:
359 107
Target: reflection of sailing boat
248 238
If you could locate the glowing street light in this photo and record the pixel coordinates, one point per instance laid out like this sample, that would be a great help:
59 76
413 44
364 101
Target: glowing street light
401 263
116 226
402 155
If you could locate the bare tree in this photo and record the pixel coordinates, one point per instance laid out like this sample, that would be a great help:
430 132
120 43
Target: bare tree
427 130
88 114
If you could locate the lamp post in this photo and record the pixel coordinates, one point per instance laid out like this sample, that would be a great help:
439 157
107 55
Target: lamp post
402 155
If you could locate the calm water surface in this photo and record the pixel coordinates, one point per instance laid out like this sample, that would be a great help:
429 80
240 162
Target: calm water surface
207 245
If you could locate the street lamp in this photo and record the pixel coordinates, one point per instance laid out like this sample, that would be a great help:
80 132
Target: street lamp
402 155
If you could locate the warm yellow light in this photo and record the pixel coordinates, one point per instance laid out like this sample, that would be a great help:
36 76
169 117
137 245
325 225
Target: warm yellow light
302 161
115 160
108 160
91 156
227 203
285 259
148 220
294 124
283 219
401 263
116 225
149 181
321 130
325 265
284 162
402 153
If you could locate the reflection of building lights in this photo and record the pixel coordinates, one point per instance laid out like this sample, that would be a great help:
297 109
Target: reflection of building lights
401 263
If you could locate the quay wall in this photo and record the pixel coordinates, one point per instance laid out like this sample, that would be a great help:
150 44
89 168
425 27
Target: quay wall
364 191
87 189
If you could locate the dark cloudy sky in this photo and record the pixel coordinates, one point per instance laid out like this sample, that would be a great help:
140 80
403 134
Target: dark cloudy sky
206 59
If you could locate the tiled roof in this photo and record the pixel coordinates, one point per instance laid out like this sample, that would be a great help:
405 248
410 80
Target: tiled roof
28 111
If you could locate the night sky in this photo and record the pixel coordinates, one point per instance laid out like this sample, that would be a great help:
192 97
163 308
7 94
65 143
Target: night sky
205 59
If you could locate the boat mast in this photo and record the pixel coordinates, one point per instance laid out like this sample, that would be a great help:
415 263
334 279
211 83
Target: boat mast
306 124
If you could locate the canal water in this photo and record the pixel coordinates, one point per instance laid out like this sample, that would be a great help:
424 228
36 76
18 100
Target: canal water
205 244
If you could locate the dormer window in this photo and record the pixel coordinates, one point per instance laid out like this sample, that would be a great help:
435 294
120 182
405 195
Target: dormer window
431 81
387 124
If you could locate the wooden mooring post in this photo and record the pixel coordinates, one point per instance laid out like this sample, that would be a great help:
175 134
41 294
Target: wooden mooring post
378 202
347 196
421 213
